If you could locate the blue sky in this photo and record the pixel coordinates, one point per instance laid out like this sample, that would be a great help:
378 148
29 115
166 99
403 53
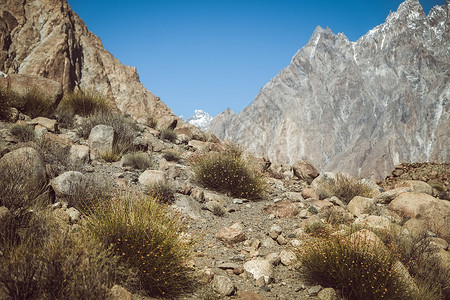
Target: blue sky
214 54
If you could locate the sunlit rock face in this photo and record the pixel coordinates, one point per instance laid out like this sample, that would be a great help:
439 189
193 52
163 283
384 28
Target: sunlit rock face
46 38
358 107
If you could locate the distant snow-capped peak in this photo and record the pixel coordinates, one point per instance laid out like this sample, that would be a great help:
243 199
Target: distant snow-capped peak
201 119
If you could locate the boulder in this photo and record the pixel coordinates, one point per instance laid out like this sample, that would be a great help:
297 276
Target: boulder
376 222
49 124
101 140
22 84
23 173
366 237
79 154
305 171
327 294
152 177
223 285
260 268
435 213
387 196
69 183
231 235
188 206
326 176
361 205
415 186
283 209
309 193
288 257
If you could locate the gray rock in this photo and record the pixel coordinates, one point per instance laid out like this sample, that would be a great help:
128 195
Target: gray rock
327 294
23 173
314 290
152 177
288 258
79 154
74 214
353 92
188 206
101 140
69 183
275 231
223 285
260 268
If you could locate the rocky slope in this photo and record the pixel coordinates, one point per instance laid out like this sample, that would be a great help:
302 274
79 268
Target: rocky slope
357 107
46 38
221 122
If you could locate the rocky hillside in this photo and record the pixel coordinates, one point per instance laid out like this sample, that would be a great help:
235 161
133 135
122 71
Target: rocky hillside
242 249
46 38
358 107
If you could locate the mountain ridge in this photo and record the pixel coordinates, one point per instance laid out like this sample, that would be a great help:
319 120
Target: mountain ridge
364 106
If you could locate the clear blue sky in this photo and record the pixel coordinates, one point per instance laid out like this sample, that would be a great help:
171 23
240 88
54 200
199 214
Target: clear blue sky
215 54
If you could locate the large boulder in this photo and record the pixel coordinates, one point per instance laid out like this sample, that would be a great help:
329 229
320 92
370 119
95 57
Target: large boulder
22 174
69 183
22 84
101 140
434 213
305 170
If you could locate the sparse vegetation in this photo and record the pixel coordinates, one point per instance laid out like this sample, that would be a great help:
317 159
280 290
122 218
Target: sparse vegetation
124 128
344 187
228 171
40 261
84 103
110 156
36 104
218 210
148 238
172 156
162 192
348 265
169 135
4 103
138 160
23 133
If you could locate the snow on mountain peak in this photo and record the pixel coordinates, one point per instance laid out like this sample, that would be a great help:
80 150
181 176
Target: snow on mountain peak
201 119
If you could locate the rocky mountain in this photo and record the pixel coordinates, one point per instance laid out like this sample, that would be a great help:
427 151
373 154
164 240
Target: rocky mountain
201 119
46 38
221 122
357 107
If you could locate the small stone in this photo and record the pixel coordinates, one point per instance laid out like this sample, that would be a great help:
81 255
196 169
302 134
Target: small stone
288 257
231 235
314 290
274 258
260 268
204 276
120 293
327 294
282 240
74 214
223 285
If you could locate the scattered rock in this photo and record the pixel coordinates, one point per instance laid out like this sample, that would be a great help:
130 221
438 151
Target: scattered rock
327 294
152 177
309 193
101 140
49 124
223 285
260 268
69 183
288 257
188 206
435 213
361 206
314 290
283 209
305 171
231 235
415 186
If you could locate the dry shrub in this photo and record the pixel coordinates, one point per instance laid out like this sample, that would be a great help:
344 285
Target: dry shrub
351 266
84 103
162 192
168 134
344 187
138 160
148 238
23 133
36 104
125 129
228 171
172 156
5 103
40 261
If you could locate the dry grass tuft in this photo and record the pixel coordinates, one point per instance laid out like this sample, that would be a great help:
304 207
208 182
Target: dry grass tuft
344 187
148 238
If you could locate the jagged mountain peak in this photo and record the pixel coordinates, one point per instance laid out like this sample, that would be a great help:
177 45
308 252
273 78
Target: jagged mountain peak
201 119
357 107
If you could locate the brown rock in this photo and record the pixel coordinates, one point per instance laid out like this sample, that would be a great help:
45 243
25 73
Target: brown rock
305 170
22 84
245 295
415 186
361 205
231 235
366 237
435 213
309 193
283 209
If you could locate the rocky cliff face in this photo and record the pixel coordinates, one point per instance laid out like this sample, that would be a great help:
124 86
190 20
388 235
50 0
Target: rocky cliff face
219 125
46 38
358 107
